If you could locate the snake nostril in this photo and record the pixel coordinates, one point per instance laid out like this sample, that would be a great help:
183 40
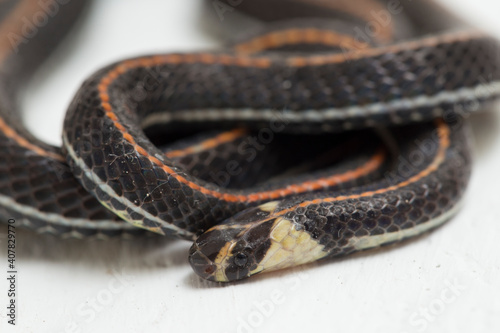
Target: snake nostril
209 270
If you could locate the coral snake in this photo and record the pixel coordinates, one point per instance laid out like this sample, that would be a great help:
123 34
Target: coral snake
334 127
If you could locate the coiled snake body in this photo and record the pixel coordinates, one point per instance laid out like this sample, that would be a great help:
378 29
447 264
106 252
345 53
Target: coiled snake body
336 66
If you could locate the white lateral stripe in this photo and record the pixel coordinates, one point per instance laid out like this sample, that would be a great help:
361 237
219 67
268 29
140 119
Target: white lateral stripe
368 242
57 219
461 95
107 189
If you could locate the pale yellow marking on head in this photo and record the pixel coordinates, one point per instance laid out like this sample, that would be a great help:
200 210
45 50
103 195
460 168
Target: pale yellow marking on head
289 247
289 243
222 257
269 207
303 238
280 229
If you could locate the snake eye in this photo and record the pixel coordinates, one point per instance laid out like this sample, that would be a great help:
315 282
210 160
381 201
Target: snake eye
240 260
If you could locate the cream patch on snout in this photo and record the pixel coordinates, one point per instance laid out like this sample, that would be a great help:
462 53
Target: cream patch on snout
289 247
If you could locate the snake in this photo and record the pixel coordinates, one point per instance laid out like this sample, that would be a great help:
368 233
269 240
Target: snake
382 88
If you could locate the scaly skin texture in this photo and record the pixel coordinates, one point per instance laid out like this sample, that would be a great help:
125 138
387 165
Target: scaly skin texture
36 186
389 85
433 173
313 79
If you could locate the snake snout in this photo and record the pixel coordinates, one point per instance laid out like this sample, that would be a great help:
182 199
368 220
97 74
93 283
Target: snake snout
201 265
232 250
211 252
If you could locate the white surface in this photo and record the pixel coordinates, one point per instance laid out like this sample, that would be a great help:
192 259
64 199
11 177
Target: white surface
146 286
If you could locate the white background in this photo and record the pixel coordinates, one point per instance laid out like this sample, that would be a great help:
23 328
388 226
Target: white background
448 281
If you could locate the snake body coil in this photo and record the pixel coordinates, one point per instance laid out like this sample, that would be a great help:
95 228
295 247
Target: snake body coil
305 77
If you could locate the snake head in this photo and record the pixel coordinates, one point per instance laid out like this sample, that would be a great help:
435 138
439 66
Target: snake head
251 242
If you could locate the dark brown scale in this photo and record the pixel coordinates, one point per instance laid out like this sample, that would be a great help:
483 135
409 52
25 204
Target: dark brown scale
46 184
212 82
334 224
211 87
395 210
181 87
35 181
254 164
